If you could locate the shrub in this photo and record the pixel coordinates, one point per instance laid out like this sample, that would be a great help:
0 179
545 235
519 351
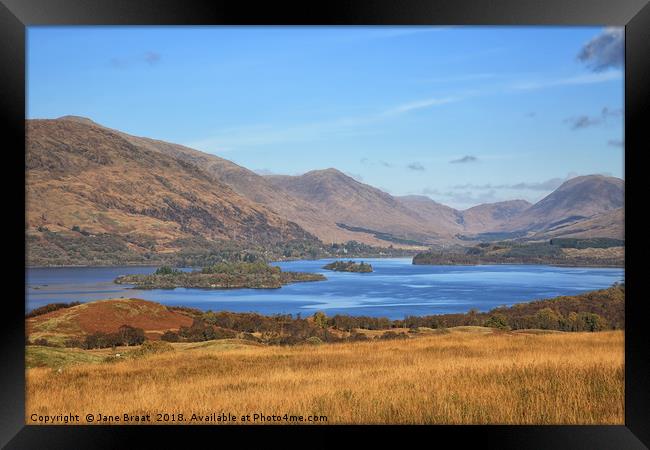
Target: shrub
314 340
392 335
250 337
102 340
170 336
153 347
74 342
165 270
497 321
547 319
590 322
358 337
130 335
150 347
49 308
320 319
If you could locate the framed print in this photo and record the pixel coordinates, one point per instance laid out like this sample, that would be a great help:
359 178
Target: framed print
353 217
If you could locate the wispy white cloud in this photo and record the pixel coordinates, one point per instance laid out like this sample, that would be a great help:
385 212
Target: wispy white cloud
246 136
419 104
589 78
255 135
457 78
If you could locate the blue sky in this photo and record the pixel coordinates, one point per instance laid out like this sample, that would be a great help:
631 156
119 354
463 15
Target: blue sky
465 115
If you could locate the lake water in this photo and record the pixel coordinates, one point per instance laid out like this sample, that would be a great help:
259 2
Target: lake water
395 289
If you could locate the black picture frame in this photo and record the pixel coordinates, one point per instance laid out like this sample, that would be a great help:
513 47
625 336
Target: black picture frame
16 15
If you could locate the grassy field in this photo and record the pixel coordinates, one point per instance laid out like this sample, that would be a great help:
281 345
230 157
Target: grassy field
468 375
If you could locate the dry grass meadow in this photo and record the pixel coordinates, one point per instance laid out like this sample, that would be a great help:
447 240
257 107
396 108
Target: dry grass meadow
468 375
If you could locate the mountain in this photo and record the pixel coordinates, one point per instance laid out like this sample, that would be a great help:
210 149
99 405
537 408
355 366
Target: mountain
437 215
96 193
578 199
492 216
355 205
260 190
88 183
254 187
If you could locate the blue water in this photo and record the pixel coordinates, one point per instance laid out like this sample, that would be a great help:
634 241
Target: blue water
395 289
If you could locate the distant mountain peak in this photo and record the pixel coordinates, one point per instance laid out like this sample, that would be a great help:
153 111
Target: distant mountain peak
590 178
330 171
79 119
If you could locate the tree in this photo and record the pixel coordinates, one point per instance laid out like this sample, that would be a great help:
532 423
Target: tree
169 336
497 321
591 322
130 336
572 321
547 319
472 317
165 270
320 319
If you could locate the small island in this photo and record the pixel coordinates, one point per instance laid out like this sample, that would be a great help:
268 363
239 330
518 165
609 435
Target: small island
349 266
257 275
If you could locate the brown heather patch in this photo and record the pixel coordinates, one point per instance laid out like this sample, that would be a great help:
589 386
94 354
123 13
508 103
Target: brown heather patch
107 316
454 378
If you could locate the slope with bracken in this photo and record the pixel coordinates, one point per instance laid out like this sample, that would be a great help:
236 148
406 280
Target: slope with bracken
254 187
105 316
85 181
355 205
578 203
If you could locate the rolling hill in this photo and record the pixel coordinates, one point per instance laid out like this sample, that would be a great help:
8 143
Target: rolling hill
87 185
105 316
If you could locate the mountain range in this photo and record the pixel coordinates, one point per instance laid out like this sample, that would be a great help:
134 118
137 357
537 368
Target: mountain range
146 195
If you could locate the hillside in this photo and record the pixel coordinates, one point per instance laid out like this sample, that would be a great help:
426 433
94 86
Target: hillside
584 253
492 216
355 205
105 316
576 200
250 185
89 186
259 190
610 224
437 215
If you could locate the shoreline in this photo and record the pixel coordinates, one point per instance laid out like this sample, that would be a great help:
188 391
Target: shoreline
109 266
585 266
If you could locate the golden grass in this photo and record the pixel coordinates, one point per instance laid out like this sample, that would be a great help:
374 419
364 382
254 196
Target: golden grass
456 378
